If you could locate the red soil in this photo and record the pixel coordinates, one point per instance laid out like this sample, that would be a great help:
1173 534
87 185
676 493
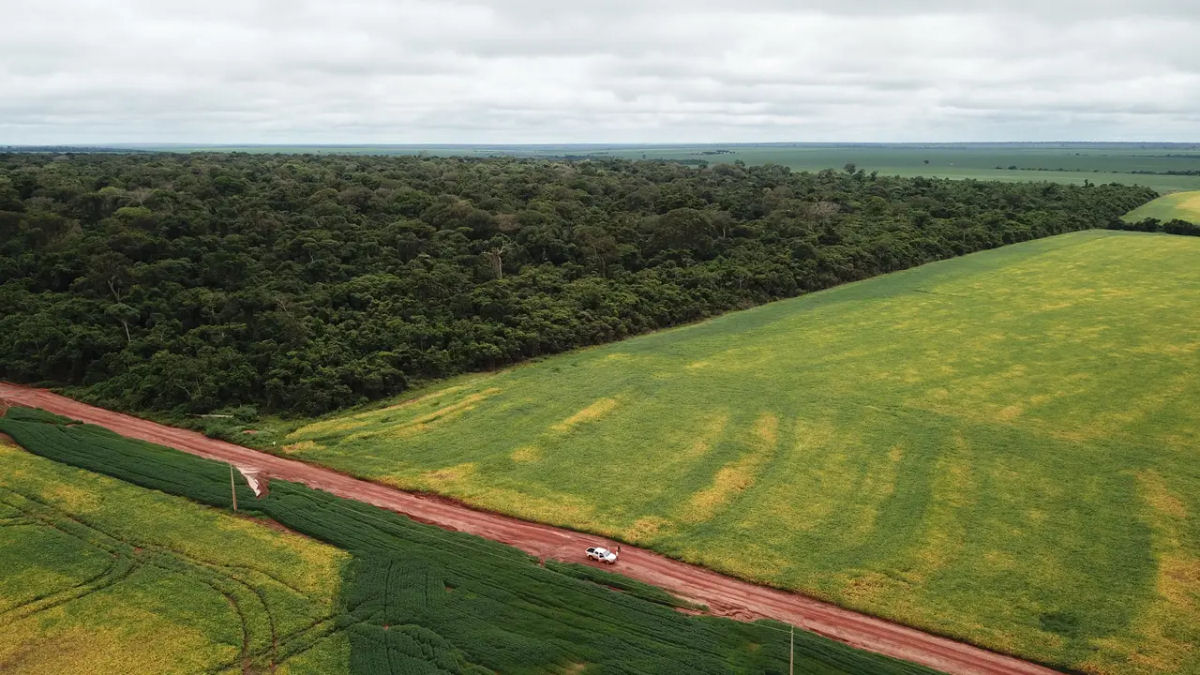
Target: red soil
725 596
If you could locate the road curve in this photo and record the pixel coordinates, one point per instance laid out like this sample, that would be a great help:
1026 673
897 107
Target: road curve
725 596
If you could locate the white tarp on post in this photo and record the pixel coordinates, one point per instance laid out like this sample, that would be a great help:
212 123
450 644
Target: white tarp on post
252 479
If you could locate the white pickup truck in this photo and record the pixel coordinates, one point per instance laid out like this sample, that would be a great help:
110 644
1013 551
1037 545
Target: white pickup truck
601 555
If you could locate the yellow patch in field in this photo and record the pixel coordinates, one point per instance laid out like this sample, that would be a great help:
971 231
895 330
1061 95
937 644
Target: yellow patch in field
1189 204
738 475
414 401
697 365
71 497
710 430
1162 636
555 508
33 648
820 468
1115 422
1179 582
869 588
594 411
450 474
338 424
437 417
302 446
766 428
1159 497
327 427
1009 413
876 487
618 356
1183 349
526 453
1052 306
646 529
952 493
999 560
746 561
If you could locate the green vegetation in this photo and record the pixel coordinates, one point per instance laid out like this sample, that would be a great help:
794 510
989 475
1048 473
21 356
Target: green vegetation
97 575
623 584
1183 206
289 284
1165 167
413 598
998 447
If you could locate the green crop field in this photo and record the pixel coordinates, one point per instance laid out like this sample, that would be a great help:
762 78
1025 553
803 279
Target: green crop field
108 577
97 575
1163 167
1181 205
999 447
1068 163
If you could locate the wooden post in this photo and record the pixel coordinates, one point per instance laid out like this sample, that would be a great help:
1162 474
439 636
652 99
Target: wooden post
791 650
232 487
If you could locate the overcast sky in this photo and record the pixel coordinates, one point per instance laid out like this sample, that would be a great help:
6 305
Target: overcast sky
553 72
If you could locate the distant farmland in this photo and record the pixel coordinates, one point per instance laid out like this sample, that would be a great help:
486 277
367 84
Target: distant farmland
1163 167
1181 205
998 447
1070 163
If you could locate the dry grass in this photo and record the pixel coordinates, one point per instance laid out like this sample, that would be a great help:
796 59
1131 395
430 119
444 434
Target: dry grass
594 411
301 446
425 422
526 453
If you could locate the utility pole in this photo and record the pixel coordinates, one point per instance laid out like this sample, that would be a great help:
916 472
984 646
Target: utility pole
232 487
792 651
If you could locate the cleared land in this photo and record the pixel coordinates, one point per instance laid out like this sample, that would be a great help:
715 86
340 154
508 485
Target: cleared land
999 447
1181 205
97 575
413 598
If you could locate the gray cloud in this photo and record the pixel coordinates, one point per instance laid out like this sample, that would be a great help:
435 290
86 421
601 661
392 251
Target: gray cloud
426 71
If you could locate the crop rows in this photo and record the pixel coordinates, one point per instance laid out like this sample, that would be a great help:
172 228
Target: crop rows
256 596
419 599
949 447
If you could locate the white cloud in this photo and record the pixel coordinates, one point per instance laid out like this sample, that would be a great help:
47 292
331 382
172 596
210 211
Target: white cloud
439 72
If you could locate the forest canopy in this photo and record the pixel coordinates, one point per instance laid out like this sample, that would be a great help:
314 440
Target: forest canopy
302 284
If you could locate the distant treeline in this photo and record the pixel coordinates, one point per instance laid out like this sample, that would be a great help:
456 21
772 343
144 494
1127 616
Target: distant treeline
64 149
1171 172
1145 172
300 284
1173 226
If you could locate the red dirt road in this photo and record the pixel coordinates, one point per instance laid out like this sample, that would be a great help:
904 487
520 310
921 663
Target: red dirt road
725 596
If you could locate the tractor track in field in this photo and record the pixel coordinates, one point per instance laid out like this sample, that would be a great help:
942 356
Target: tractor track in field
725 596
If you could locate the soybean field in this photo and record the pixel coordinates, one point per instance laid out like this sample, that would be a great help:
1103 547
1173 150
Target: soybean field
1183 206
97 575
998 447
381 594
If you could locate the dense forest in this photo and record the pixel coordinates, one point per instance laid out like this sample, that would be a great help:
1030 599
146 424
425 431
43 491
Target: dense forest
300 284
